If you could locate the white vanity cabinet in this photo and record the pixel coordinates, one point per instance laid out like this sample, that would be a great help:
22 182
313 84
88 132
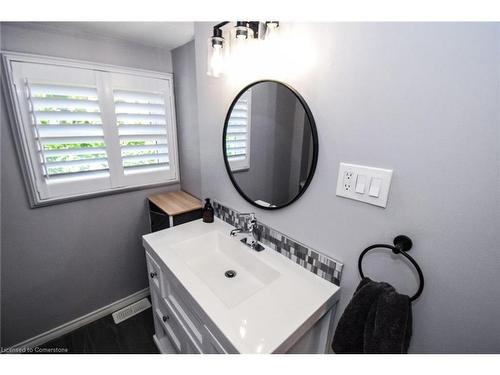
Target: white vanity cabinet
212 294
182 327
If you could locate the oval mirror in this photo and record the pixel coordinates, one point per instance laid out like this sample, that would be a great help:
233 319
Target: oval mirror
270 144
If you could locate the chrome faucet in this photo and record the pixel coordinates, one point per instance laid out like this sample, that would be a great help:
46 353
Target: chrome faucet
251 237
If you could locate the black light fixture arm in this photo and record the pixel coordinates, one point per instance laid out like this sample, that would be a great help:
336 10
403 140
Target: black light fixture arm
218 29
253 25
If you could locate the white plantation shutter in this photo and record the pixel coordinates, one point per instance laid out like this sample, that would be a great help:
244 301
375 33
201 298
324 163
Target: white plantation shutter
68 129
84 130
142 128
144 115
238 133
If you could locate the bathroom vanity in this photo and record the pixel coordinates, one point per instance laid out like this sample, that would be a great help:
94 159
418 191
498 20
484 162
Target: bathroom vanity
212 294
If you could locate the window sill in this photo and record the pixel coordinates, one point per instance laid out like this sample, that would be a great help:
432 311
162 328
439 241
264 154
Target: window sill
61 200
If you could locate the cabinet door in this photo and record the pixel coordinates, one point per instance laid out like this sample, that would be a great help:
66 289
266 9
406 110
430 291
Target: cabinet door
167 323
176 331
155 274
174 296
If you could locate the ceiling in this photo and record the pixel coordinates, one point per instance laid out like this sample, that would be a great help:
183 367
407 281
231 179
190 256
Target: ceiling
167 35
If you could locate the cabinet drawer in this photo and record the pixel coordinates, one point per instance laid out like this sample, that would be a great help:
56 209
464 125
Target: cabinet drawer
154 274
172 294
179 336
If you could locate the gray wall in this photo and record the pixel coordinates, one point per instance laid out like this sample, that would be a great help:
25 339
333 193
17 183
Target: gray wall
67 260
184 66
422 99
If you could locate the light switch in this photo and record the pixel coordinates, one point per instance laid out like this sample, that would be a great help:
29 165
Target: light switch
375 187
360 184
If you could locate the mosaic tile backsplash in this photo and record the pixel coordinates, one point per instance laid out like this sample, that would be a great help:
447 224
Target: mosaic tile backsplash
321 265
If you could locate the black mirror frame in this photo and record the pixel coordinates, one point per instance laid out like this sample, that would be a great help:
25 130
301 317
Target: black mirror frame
314 133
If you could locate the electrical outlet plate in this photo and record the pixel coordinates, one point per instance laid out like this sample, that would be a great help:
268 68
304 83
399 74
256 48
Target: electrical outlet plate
348 178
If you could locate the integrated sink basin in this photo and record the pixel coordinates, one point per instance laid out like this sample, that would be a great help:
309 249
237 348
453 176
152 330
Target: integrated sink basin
227 267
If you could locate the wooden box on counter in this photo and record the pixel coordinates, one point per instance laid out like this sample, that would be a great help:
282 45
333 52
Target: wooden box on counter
173 208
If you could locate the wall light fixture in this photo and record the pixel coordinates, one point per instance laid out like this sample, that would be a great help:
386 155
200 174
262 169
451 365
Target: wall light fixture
219 50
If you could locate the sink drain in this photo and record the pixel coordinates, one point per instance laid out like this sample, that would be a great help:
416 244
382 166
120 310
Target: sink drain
230 274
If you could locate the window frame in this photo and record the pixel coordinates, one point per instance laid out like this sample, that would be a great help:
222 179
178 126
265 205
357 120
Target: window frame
16 117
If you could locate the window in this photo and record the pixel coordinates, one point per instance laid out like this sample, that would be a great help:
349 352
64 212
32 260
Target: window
85 129
238 133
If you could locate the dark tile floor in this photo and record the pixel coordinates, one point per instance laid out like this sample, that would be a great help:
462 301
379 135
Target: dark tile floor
132 336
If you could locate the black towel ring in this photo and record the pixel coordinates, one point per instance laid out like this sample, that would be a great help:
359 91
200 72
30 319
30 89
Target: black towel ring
402 244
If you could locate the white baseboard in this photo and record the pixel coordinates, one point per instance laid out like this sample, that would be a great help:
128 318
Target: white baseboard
81 321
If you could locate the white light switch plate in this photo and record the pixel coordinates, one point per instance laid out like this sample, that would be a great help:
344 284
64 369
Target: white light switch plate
348 179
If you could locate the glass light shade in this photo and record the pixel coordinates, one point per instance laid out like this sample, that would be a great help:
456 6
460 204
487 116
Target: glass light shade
237 41
216 56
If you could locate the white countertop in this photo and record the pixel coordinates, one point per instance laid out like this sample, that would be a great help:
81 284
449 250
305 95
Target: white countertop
265 319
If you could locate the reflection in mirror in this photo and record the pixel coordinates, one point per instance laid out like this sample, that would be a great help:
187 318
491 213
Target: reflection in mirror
270 144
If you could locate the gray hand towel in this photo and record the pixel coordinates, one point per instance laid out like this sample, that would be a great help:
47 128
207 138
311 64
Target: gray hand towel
377 320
